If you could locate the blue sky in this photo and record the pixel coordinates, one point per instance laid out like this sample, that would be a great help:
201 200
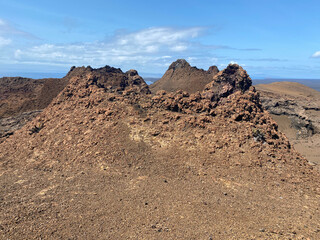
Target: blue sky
269 38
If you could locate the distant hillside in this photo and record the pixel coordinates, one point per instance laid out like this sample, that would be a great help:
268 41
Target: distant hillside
311 83
181 76
296 108
21 99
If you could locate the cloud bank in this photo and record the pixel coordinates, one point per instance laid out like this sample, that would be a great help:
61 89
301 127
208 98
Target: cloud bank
140 47
148 50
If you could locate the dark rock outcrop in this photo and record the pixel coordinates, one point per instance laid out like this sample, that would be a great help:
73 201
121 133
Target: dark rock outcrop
180 63
213 70
108 78
226 82
84 80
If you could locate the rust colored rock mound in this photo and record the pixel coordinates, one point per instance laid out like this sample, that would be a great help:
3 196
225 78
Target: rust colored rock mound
21 99
18 95
233 78
106 78
108 160
181 76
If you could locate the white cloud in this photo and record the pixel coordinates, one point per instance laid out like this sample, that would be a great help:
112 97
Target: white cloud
152 49
141 47
4 41
159 35
316 55
148 50
179 48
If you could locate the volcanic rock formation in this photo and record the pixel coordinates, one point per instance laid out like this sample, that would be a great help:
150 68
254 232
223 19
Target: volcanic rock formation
226 82
18 95
21 99
108 160
181 76
296 108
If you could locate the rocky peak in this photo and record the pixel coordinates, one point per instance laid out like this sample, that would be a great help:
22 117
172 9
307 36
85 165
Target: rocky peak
79 71
233 78
180 63
213 70
181 76
84 81
132 72
108 77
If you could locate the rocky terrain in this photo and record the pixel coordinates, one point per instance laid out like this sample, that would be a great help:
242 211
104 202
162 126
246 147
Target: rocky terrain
108 160
181 76
21 99
293 106
296 108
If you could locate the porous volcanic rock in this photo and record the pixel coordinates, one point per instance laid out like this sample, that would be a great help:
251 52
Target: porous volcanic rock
107 78
233 78
21 99
181 76
108 160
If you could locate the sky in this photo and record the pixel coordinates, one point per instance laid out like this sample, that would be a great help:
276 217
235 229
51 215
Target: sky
269 38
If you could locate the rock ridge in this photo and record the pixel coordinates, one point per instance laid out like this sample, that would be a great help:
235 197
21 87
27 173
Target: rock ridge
181 76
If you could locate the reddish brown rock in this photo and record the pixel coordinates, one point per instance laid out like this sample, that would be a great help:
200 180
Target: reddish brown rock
106 159
228 81
18 95
21 99
181 76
